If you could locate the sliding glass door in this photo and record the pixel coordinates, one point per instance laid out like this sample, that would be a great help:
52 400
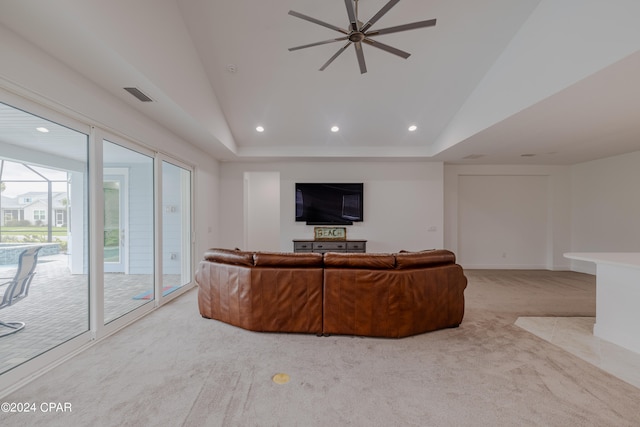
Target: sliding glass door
128 188
111 221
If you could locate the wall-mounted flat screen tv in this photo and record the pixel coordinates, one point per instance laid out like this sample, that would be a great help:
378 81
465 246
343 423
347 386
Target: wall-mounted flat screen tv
329 203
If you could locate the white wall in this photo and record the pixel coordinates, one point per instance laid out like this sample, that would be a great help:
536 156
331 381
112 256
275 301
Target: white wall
402 201
605 201
502 221
31 73
262 211
513 239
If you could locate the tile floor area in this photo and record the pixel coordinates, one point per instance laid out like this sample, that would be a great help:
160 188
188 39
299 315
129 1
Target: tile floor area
56 309
575 335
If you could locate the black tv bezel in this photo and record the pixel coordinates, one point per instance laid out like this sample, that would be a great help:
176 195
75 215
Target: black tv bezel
360 186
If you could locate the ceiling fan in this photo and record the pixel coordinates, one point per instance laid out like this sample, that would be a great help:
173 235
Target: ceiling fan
358 33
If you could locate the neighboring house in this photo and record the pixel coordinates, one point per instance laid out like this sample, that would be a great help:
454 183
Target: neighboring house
33 207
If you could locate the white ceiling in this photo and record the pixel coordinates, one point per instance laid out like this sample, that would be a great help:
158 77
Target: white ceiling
492 80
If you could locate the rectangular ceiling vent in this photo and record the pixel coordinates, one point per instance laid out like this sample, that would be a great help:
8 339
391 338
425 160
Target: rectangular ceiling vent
138 94
473 156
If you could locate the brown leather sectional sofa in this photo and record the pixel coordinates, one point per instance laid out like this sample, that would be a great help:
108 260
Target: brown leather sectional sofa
378 295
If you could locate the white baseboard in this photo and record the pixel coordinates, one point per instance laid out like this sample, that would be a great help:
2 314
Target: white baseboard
504 267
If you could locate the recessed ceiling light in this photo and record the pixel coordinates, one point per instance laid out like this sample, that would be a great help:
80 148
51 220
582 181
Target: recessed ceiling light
42 129
335 128
259 128
412 128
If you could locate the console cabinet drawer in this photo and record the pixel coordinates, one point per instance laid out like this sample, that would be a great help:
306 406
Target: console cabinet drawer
322 246
329 246
302 246
360 246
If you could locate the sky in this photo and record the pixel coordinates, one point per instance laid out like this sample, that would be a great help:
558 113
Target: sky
31 181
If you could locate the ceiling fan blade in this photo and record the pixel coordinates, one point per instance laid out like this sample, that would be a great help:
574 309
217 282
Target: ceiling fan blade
353 19
405 27
379 15
342 49
291 49
360 55
387 48
317 21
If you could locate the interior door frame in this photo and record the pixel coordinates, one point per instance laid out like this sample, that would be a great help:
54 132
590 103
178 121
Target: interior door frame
122 175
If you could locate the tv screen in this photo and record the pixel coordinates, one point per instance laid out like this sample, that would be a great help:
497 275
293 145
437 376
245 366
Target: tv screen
328 203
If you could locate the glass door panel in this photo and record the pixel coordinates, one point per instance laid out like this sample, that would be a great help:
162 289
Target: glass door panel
176 227
44 204
128 230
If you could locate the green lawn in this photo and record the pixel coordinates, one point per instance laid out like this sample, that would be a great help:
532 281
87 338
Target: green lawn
22 231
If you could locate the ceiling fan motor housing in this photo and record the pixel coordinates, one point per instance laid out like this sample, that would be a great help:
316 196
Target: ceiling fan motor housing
356 36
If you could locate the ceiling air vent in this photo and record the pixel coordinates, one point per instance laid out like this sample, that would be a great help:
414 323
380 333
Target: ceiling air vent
138 94
473 156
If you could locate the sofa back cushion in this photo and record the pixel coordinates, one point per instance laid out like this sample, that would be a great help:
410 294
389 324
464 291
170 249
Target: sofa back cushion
291 260
406 260
371 261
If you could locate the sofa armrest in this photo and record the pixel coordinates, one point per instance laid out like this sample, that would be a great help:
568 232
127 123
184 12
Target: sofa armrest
229 256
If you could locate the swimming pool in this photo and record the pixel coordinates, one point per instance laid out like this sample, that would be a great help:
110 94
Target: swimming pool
10 252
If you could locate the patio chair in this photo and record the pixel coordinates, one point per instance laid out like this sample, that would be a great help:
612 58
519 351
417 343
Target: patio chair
18 286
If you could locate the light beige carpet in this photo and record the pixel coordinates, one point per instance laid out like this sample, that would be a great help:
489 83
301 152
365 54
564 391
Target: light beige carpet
174 368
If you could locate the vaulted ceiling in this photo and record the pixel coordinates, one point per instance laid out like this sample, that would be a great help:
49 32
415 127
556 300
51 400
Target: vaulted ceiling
493 80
